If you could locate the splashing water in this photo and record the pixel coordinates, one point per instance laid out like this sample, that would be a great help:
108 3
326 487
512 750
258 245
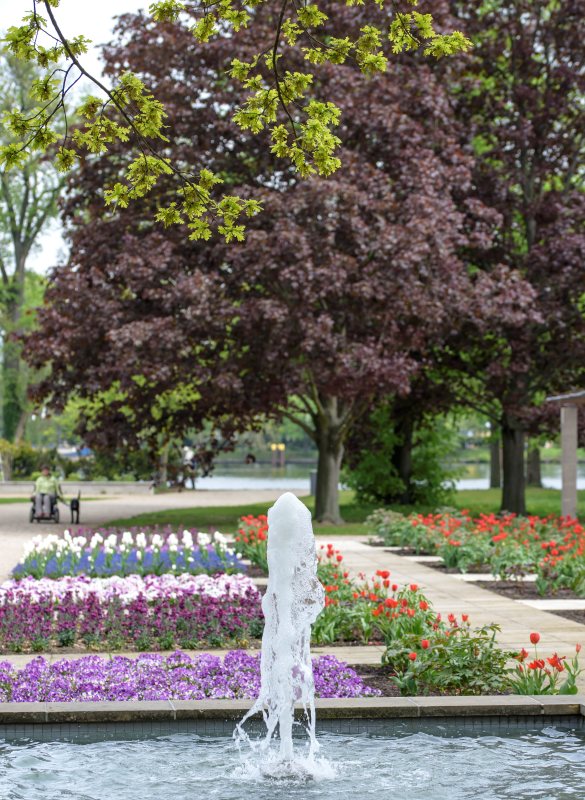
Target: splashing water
293 600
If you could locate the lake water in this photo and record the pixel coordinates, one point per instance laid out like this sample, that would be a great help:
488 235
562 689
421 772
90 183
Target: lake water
296 476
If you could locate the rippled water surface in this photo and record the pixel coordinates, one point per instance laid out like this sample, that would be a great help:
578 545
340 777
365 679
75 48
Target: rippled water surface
548 764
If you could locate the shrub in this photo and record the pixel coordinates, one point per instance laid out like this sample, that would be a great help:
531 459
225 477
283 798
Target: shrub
372 471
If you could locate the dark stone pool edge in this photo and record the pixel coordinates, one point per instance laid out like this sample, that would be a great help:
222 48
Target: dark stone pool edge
365 708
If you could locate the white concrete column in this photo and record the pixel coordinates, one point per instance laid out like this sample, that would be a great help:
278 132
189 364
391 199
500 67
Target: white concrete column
569 460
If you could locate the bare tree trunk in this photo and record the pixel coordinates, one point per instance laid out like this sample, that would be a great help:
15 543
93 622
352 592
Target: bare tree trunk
495 463
21 426
163 465
330 446
11 393
6 458
402 459
13 400
533 469
327 498
514 489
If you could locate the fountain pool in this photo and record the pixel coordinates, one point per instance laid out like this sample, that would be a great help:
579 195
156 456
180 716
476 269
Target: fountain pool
414 761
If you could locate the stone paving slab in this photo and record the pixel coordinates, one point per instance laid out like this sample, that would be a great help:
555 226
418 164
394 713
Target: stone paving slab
555 604
425 559
358 654
352 708
482 577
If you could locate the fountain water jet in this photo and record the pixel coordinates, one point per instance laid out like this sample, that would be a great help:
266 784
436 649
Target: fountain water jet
293 600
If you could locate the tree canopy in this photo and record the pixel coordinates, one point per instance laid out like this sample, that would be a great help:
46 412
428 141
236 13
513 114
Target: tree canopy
519 96
336 298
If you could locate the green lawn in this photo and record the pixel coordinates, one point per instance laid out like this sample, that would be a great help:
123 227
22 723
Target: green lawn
225 518
27 499
540 502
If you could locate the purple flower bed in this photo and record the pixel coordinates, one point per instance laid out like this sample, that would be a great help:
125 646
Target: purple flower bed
154 612
154 677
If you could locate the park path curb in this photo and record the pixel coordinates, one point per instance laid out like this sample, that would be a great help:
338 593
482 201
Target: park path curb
362 708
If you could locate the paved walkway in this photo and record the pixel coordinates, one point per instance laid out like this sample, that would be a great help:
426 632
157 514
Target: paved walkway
363 654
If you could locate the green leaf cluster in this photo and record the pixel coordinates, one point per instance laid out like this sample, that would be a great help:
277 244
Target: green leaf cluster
300 128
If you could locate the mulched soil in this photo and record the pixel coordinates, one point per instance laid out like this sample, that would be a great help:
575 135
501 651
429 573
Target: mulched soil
473 570
519 590
255 572
404 551
575 616
350 643
378 677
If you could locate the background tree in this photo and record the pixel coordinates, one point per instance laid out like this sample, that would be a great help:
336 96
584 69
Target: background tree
519 95
28 201
335 299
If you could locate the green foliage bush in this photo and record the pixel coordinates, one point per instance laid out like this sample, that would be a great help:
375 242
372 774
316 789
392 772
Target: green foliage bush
129 465
372 472
452 659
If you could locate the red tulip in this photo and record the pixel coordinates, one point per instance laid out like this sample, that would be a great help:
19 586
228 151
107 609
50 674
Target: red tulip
535 638
412 656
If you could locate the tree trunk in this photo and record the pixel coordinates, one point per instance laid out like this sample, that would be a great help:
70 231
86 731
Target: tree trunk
330 447
163 465
13 394
533 471
12 406
495 463
21 426
514 490
6 459
402 460
327 498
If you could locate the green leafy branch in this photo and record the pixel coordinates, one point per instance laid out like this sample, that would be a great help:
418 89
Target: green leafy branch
301 128
127 110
